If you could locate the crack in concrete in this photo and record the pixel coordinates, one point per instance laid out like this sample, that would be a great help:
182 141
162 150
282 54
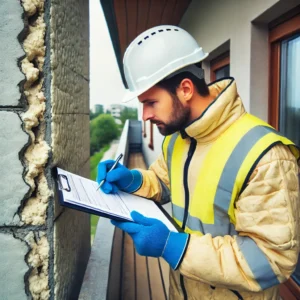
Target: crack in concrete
33 210
78 74
12 108
9 228
78 114
58 216
34 155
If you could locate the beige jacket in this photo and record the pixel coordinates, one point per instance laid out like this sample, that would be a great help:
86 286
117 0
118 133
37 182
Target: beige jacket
267 211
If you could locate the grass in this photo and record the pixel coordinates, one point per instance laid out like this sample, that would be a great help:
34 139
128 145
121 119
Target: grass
94 160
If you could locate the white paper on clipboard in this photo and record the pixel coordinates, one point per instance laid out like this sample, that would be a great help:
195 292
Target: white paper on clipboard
80 193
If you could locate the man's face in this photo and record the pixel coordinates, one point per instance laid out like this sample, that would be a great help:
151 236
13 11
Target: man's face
164 109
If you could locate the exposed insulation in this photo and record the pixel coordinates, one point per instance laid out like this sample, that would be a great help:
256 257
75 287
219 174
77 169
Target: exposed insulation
31 6
38 259
34 42
36 155
35 209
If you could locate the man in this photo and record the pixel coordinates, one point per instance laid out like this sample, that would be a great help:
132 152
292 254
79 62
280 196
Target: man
232 178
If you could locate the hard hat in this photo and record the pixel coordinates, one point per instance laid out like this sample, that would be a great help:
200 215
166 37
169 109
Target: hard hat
157 53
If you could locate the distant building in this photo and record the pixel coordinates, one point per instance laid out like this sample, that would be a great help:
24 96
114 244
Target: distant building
115 110
98 108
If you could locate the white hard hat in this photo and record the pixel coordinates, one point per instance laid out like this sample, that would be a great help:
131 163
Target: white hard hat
157 53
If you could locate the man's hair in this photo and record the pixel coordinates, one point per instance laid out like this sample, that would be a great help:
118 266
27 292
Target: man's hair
172 83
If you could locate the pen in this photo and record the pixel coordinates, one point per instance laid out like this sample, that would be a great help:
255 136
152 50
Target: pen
112 167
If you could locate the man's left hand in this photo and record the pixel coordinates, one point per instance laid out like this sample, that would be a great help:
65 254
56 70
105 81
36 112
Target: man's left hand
152 237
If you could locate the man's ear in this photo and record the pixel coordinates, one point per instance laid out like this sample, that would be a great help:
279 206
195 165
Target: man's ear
185 90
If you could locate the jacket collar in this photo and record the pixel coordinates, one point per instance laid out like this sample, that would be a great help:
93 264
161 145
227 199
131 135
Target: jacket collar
219 115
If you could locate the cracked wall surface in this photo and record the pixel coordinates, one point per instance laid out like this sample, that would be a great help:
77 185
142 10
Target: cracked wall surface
44 121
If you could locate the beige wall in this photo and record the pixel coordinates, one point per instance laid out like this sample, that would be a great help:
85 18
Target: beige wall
244 26
214 22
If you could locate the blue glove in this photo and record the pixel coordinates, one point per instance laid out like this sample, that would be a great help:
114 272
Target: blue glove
120 178
152 237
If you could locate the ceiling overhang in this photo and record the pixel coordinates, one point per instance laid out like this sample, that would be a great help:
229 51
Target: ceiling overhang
126 19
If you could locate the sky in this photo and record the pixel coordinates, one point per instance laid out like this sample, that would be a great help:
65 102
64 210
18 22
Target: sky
106 85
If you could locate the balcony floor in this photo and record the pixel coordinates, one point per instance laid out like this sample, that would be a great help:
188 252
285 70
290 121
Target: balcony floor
133 276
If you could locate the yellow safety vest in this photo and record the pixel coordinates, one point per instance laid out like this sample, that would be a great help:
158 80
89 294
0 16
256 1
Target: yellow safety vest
221 177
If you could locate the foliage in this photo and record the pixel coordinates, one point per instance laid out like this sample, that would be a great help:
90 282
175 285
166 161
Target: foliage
94 115
129 113
103 130
94 160
94 222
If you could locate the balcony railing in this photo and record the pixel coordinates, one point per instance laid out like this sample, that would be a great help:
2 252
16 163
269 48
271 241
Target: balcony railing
115 271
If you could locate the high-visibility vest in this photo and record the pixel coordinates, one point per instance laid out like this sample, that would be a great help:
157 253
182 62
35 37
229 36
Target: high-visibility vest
221 177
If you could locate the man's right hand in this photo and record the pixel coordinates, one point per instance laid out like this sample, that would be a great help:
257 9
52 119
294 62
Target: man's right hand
120 178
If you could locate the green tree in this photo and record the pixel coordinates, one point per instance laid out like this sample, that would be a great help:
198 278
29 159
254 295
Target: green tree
128 113
103 130
94 115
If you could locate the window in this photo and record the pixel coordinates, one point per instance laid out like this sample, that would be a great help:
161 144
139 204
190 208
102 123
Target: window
284 99
151 146
144 129
289 99
220 67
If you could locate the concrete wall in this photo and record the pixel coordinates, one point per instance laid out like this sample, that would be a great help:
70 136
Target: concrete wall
242 28
43 122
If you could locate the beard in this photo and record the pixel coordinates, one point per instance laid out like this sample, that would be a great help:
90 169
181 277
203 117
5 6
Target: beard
179 117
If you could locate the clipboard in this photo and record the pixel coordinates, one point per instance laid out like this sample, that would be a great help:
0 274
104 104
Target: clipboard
64 182
60 179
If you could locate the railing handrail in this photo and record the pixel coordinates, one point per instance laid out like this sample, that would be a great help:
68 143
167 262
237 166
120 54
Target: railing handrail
95 282
123 144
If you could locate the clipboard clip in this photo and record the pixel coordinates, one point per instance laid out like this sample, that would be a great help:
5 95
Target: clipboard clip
63 182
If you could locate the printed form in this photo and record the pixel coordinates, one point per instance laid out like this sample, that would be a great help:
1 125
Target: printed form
82 192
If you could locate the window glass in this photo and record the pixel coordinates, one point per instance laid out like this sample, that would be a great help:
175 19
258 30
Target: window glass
220 67
289 115
222 72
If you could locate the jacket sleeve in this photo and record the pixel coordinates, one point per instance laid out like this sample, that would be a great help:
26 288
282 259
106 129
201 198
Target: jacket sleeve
156 184
265 251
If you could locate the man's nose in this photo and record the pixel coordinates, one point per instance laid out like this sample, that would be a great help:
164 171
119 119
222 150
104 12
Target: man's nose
147 114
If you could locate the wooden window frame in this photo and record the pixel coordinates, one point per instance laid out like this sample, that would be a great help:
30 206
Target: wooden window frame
144 129
277 34
221 61
151 145
289 290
